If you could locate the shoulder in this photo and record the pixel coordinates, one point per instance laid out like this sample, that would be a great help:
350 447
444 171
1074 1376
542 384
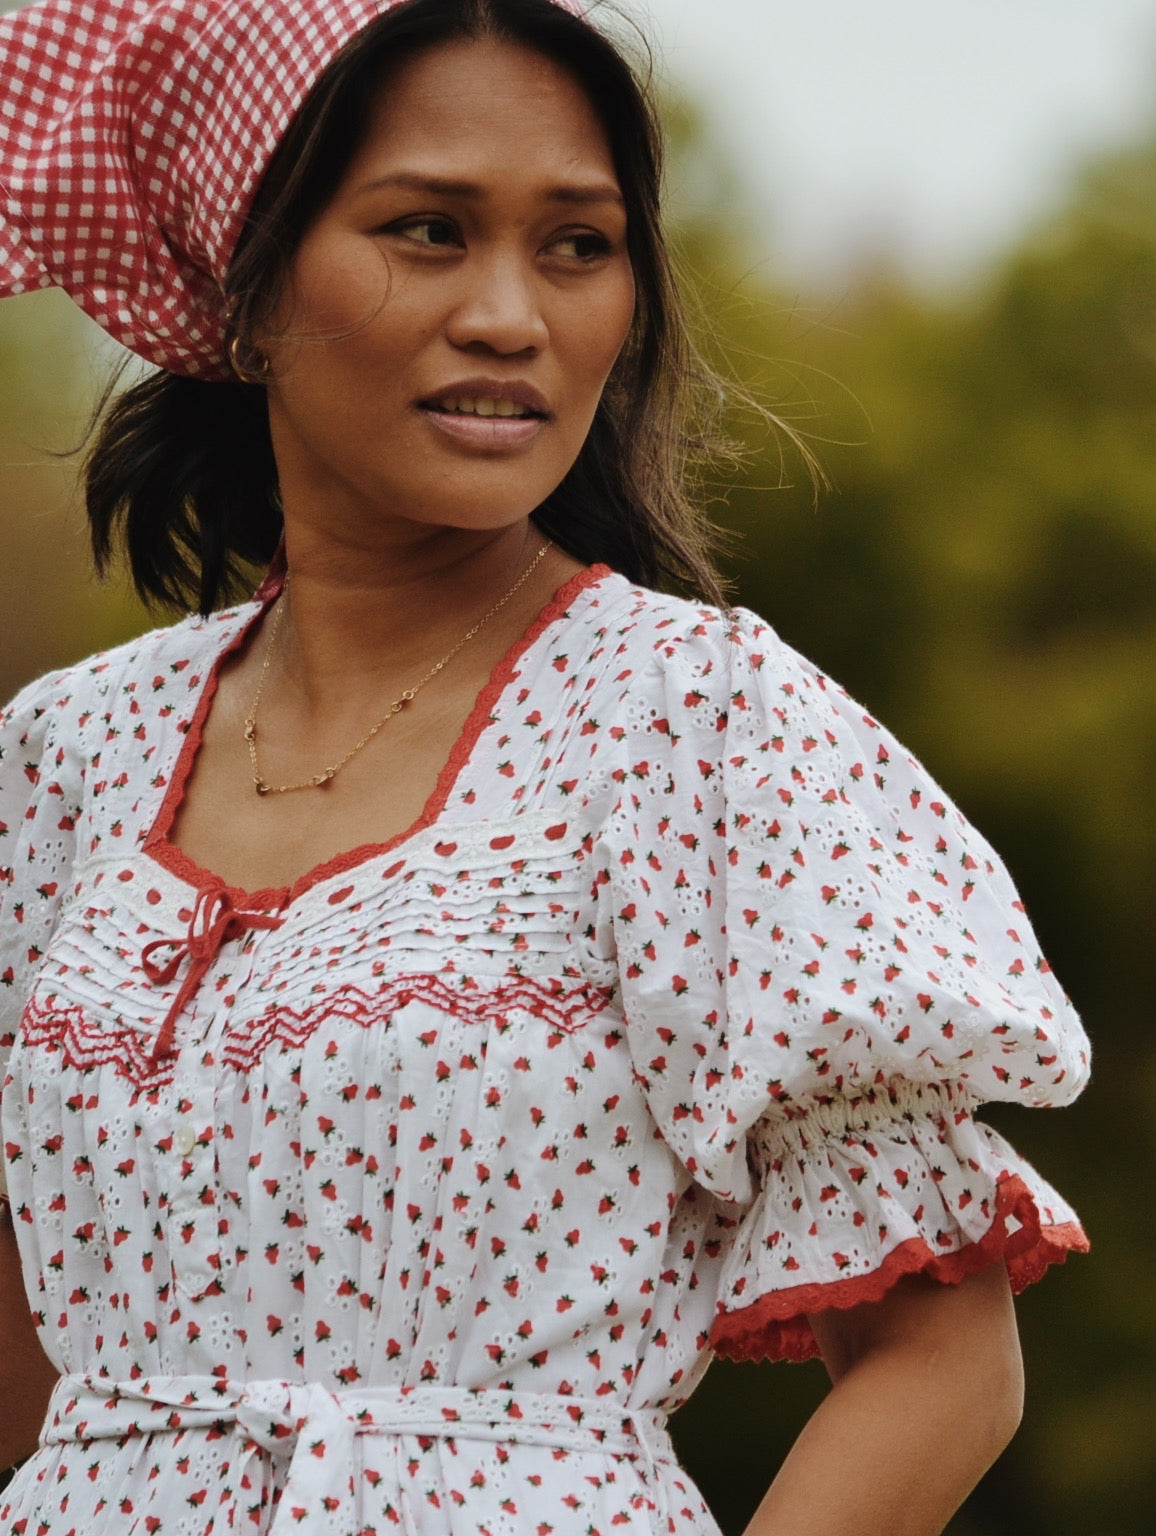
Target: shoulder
701 671
678 633
659 622
64 740
164 661
671 637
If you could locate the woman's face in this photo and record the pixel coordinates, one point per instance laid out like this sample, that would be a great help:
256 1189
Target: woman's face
451 317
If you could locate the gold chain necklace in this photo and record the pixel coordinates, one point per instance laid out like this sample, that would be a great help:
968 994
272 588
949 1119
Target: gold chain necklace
319 780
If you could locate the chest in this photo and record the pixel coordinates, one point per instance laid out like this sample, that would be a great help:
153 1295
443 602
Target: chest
391 780
405 1029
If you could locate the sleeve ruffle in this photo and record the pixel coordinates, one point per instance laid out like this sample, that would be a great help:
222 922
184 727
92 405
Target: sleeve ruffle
824 969
859 1193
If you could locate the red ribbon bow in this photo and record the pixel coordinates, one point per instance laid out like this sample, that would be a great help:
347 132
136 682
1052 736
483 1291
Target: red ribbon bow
215 920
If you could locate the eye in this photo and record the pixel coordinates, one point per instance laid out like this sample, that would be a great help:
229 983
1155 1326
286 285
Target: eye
426 230
584 245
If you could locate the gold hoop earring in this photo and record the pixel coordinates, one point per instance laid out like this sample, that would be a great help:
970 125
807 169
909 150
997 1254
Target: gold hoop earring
240 370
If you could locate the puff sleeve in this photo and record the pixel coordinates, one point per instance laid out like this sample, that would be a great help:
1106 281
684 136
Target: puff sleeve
824 971
40 792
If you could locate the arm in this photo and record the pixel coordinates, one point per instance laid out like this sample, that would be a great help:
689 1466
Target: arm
41 793
26 1376
928 1389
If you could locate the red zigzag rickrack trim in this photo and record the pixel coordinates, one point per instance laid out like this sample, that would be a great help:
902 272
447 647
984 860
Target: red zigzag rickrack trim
86 1043
564 1010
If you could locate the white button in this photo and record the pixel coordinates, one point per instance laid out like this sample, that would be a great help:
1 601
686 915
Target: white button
185 1140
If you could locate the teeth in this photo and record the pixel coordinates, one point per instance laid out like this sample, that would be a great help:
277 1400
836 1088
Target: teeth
482 406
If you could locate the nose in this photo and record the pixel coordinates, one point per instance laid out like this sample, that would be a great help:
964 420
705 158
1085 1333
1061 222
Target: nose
499 309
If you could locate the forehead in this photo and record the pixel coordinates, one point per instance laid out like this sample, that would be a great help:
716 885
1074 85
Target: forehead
486 104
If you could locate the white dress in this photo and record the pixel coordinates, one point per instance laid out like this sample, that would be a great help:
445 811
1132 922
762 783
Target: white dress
413 1198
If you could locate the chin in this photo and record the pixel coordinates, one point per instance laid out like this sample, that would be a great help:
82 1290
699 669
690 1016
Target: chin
475 508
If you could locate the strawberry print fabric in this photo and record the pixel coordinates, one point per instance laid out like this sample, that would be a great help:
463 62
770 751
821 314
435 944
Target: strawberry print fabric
414 1197
133 137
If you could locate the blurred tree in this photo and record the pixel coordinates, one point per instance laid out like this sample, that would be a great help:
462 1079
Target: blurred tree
52 365
983 579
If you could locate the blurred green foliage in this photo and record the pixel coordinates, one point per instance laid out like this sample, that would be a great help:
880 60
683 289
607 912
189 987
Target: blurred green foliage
983 577
53 366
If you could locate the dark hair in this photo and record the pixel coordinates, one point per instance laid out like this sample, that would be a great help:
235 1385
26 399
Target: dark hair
181 470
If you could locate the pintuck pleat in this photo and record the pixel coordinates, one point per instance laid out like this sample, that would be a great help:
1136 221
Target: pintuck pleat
664 1028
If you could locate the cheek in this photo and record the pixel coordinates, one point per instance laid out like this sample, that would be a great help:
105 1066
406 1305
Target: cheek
618 317
335 289
626 317
600 329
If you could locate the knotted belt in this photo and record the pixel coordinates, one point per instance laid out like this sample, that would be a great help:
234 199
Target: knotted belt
305 1433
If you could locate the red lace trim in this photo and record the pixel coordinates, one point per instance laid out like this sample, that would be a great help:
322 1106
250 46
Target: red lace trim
87 1044
274 577
276 898
156 845
775 1327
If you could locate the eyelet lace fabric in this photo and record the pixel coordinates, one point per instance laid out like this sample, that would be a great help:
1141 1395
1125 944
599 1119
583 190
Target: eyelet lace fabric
662 1030
136 135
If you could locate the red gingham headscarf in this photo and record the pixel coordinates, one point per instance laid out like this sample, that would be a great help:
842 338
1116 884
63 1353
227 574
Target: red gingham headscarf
133 137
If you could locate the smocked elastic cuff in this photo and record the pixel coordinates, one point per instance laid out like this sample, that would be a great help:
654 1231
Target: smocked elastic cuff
860 1193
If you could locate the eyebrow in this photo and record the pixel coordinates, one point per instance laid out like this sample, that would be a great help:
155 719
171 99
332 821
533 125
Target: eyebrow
439 186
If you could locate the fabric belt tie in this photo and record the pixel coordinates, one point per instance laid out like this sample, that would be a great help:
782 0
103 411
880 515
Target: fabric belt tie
214 921
309 1432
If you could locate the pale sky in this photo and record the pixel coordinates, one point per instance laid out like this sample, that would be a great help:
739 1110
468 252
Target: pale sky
935 130
930 130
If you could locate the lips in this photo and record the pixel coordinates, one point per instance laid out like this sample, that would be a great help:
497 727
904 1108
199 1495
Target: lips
482 406
513 398
488 413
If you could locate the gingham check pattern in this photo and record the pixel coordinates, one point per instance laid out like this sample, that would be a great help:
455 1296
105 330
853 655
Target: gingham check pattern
133 136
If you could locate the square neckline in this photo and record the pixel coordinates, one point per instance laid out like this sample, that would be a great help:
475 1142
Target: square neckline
159 847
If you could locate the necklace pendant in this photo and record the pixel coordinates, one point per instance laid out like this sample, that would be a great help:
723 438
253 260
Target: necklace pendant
322 779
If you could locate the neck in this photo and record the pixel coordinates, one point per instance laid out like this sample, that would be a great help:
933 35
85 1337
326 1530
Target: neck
356 616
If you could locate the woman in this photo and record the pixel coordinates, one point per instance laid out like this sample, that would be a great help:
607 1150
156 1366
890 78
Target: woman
451 992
